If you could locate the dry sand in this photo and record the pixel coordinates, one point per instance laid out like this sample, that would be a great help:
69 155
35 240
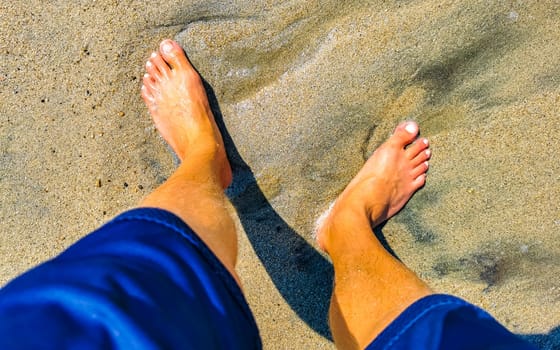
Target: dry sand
306 90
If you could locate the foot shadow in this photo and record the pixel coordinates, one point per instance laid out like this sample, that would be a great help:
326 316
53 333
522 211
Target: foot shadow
302 275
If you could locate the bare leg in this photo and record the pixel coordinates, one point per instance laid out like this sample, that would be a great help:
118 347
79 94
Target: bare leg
372 287
177 101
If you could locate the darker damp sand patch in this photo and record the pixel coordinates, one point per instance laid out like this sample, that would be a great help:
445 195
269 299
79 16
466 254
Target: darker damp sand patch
493 262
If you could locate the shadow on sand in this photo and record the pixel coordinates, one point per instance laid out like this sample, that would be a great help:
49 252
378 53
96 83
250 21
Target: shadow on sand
302 275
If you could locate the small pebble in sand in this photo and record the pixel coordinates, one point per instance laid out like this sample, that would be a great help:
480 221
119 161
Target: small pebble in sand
125 185
98 183
121 114
513 16
524 249
140 187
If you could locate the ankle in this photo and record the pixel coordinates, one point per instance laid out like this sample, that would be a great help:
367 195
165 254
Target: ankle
207 168
341 226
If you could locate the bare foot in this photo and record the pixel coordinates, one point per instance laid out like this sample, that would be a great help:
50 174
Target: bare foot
177 101
394 172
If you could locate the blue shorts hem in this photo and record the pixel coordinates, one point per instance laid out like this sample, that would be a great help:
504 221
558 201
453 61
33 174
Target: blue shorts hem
441 321
176 224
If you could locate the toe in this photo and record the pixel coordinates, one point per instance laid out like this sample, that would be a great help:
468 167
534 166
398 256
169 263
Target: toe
160 64
405 133
416 148
421 157
148 82
419 181
174 55
419 170
152 70
147 95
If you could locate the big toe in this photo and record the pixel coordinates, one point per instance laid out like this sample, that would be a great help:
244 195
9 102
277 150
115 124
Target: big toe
174 54
405 133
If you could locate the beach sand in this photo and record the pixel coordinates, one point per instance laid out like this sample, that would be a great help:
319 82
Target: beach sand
305 90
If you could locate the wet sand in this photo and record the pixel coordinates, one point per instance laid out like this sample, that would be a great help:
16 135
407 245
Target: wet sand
306 90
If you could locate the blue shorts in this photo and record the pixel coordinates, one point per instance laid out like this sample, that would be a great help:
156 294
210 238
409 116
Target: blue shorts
146 281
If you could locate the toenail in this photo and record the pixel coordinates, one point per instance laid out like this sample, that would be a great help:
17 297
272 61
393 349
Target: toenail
427 164
143 87
146 75
153 55
148 64
410 127
167 47
428 152
425 141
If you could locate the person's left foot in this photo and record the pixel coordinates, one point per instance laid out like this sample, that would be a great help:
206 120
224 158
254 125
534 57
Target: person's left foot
175 96
389 178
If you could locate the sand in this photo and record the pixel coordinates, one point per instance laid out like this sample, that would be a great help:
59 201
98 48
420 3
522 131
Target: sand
305 90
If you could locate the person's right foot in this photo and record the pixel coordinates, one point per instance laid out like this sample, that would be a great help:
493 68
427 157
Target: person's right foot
395 171
175 96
